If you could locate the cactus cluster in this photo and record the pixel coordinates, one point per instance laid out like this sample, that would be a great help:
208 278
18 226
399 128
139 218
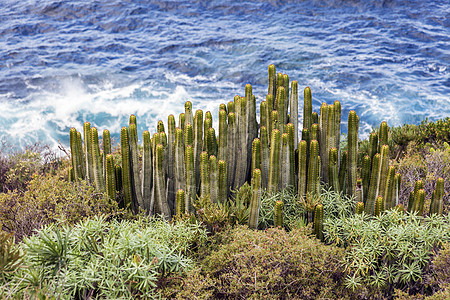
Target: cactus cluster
191 160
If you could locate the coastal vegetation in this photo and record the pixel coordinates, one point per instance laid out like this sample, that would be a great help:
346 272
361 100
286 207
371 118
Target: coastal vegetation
268 207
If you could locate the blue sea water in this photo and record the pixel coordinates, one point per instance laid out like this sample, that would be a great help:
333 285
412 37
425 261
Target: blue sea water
66 62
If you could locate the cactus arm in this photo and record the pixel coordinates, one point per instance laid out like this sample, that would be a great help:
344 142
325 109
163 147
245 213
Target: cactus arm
374 185
180 210
302 168
88 152
160 184
134 155
274 162
353 124
293 110
231 149
278 214
318 221
97 159
265 154
223 188
147 171
204 174
307 109
106 148
126 172
110 181
190 179
213 179
223 133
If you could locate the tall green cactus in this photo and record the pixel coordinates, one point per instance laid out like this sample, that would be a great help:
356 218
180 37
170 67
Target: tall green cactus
88 152
397 184
160 184
97 159
352 141
190 178
231 148
214 179
278 214
318 221
379 206
384 169
314 132
230 107
302 168
383 135
373 144
204 174
76 155
374 185
182 121
110 180
343 172
333 171
198 144
265 154
323 148
274 164
255 200
281 107
413 205
134 151
293 116
223 134
359 209
419 200
313 170
147 171
284 163
106 148
315 118
179 156
256 154
437 202
188 116
307 109
126 171
272 82
389 199
223 188
337 125
180 210
365 173
118 178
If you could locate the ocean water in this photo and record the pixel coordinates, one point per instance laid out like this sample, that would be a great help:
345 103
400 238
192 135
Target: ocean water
66 62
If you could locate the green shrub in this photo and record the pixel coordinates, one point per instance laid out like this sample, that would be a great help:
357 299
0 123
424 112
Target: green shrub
101 259
48 199
10 256
390 251
269 264
434 133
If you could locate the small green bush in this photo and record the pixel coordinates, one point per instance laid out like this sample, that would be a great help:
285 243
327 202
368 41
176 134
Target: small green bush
49 199
390 251
434 133
269 264
104 259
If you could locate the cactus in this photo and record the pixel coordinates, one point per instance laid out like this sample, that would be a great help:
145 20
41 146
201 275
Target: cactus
188 117
182 121
223 132
383 135
147 171
211 143
284 163
293 103
171 189
76 154
365 173
389 200
223 188
189 135
437 203
318 221
230 107
256 154
252 125
179 165
134 155
160 183
106 149
397 183
126 172
70 175
307 110
314 132
291 154
302 168
198 144
330 140
419 200
263 114
274 162
231 148
379 206
343 172
359 209
97 159
384 169
352 140
281 99
265 154
118 178
413 204
323 149
159 126
278 214
373 144
256 196
337 125
315 118
88 152
374 185
213 179
180 210
333 172
275 120
110 181
272 82
286 96
204 174
313 170
190 178
270 104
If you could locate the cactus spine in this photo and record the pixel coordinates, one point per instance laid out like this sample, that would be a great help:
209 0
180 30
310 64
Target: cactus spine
256 196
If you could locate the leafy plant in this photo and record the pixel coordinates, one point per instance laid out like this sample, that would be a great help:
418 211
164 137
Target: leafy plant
390 251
